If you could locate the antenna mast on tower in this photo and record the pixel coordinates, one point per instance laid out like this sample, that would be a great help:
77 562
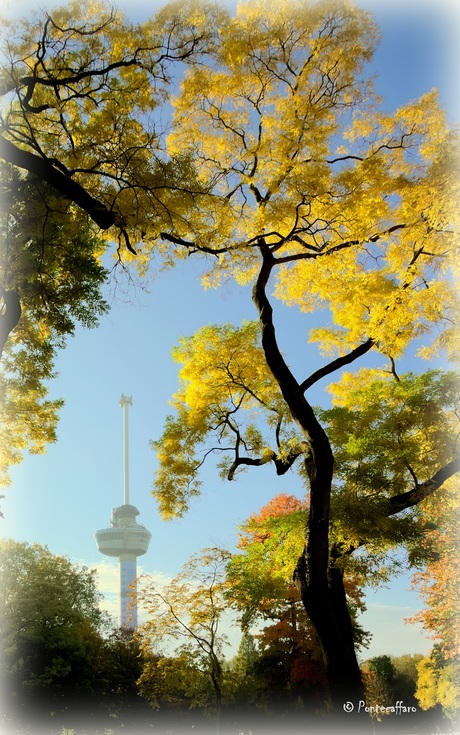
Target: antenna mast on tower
126 401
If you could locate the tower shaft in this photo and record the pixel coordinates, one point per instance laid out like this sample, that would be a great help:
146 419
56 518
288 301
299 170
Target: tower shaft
128 589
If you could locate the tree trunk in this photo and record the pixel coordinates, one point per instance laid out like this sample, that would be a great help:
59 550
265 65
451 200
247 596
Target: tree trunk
319 582
216 678
327 609
9 315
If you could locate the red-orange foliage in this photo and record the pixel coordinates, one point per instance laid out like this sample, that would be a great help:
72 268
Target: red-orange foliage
255 529
281 504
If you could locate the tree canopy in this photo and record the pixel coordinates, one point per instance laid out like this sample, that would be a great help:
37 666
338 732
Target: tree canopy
346 200
51 627
80 85
322 201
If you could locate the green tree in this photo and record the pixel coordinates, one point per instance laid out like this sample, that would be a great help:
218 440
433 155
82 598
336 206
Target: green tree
51 633
406 676
120 668
241 670
61 667
176 682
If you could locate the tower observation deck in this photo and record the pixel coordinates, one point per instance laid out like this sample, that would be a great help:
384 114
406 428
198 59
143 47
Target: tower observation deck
125 539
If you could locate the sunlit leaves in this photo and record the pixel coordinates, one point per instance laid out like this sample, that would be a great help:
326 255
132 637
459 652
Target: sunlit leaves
258 120
260 577
81 87
276 134
227 403
358 205
222 363
260 584
276 149
270 542
176 478
438 684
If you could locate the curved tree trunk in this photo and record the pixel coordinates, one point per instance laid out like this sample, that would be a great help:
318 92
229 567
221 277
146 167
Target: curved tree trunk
320 583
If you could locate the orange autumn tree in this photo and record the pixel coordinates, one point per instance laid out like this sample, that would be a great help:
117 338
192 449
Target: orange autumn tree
262 588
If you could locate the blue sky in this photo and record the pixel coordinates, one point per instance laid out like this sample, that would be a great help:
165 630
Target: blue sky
62 498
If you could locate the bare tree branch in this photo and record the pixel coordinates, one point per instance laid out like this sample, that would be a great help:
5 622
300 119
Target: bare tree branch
70 189
245 461
337 364
423 490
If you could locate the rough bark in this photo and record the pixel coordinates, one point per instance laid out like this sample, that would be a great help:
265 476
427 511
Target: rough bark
68 187
9 315
324 599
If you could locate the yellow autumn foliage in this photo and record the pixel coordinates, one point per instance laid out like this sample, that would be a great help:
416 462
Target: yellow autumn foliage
438 685
358 205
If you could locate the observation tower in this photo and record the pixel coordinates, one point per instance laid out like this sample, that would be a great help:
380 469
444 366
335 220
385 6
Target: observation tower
125 538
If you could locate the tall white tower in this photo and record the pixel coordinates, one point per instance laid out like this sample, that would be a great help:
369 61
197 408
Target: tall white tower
126 538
